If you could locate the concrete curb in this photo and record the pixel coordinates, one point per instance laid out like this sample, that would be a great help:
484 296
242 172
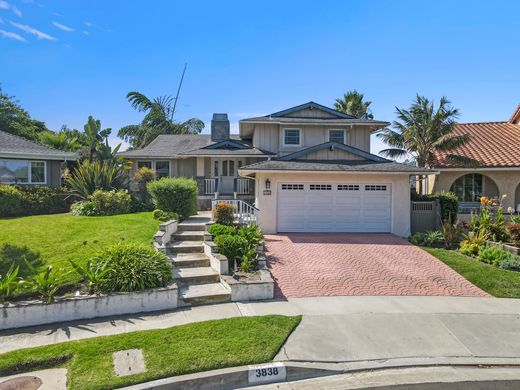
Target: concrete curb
237 377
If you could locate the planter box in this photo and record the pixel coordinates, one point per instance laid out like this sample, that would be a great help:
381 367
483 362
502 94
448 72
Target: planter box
83 307
217 261
250 290
507 247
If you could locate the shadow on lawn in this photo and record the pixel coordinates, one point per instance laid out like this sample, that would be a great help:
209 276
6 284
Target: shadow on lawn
14 255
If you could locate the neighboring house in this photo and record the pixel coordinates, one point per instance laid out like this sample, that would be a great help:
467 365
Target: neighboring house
26 162
496 145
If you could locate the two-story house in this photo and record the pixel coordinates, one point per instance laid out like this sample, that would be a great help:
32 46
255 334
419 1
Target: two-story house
307 169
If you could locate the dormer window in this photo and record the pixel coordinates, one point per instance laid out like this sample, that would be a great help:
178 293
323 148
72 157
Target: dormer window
292 137
337 136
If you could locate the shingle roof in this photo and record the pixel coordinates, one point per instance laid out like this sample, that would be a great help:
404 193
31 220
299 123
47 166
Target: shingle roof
14 146
170 146
494 144
334 166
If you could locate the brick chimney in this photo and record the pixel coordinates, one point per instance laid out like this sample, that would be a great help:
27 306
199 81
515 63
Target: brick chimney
219 127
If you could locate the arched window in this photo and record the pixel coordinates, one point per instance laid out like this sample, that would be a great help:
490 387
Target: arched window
468 188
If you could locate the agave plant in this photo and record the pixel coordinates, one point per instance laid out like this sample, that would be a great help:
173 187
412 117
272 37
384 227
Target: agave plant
97 175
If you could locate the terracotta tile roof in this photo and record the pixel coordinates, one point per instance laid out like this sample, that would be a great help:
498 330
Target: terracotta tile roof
515 118
494 144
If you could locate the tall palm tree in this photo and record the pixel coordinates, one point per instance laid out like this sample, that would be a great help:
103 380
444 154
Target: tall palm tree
159 119
352 104
423 130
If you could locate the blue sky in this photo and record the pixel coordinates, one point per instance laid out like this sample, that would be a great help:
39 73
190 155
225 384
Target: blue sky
65 60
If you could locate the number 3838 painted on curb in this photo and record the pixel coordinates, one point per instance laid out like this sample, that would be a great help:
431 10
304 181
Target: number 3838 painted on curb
274 372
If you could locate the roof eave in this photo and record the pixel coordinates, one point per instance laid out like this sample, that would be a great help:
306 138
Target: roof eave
30 156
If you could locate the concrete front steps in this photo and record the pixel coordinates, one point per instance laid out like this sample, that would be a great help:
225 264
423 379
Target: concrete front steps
198 283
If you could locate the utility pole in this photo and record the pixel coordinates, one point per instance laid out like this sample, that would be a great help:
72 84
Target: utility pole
179 89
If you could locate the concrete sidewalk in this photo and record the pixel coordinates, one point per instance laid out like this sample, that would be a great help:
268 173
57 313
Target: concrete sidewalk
337 329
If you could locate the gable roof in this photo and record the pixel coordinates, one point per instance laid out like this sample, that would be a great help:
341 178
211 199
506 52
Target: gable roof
13 146
312 105
177 145
515 118
494 144
331 146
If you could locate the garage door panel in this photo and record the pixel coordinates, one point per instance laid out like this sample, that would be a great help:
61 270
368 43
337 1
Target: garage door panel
329 207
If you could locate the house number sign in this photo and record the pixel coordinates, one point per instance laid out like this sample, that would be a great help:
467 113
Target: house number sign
267 192
274 372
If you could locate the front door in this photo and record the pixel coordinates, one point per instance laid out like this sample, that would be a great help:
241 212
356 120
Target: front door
226 170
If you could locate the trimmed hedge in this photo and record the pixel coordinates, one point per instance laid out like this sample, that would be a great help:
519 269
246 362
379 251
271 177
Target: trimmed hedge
104 203
177 195
18 201
448 201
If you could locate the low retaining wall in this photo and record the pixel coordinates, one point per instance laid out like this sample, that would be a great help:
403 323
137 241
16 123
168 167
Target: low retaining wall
507 247
217 261
163 236
84 307
250 290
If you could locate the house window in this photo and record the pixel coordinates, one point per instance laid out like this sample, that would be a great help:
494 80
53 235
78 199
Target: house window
23 172
375 188
297 187
468 188
162 169
337 136
291 137
348 187
144 164
320 187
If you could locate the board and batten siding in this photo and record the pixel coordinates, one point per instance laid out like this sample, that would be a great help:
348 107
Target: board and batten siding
327 154
270 137
314 113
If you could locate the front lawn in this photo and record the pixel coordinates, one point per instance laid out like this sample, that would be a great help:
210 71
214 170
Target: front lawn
178 350
495 281
55 239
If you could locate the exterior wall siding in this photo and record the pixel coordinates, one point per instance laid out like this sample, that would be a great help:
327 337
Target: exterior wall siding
54 173
270 137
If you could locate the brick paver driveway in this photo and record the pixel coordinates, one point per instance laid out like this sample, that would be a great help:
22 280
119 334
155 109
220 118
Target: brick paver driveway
314 264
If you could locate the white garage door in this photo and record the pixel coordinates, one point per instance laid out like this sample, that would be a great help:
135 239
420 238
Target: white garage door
334 207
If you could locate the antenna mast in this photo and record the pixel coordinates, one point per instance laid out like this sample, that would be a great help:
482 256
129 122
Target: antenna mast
179 89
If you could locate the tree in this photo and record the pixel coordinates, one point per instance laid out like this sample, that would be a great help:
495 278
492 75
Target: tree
423 130
159 119
352 104
15 120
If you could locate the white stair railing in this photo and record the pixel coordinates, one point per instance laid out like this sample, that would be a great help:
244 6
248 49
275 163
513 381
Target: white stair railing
245 213
210 186
242 186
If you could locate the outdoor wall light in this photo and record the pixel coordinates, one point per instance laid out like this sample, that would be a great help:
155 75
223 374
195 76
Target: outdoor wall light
267 184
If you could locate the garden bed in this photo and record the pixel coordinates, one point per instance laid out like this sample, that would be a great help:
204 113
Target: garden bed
31 313
505 246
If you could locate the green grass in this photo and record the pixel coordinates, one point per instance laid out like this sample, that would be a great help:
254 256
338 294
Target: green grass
174 351
495 281
55 239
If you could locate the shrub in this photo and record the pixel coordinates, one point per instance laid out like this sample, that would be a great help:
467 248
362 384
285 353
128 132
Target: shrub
178 195
32 200
45 284
224 213
97 175
448 201
218 229
493 255
451 233
104 203
164 216
510 263
138 206
514 233
141 177
8 283
234 247
469 248
432 237
92 273
418 239
133 267
253 236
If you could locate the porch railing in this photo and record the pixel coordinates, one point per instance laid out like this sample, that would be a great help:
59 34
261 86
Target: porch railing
242 186
210 186
245 213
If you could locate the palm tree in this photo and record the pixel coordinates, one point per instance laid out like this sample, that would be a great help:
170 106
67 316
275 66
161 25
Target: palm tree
92 129
423 130
159 119
352 104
